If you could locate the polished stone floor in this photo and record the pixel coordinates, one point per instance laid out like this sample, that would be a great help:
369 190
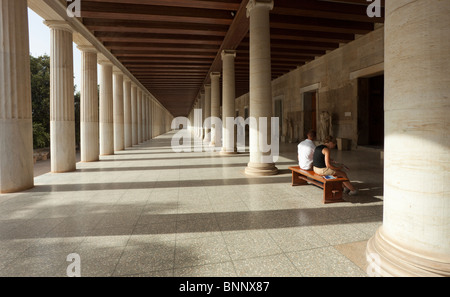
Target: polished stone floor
149 211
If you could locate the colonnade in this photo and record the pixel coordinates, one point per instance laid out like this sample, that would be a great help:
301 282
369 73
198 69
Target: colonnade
115 116
260 96
414 238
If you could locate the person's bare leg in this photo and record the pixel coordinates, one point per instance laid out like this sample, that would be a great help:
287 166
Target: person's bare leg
348 184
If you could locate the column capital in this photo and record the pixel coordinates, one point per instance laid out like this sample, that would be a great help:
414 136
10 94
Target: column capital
59 25
117 71
229 53
259 3
215 74
105 62
207 86
87 48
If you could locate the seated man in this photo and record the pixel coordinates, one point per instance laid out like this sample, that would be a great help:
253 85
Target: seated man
306 151
324 165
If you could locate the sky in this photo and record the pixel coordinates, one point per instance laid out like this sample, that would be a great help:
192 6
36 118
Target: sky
40 44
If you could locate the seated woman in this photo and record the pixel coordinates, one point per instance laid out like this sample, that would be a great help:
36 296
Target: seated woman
324 165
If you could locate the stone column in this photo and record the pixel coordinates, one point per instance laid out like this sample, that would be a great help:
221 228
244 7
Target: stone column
207 139
145 118
415 237
150 119
16 128
127 116
215 108
134 115
202 98
119 140
62 111
260 86
149 112
106 109
228 97
89 132
139 115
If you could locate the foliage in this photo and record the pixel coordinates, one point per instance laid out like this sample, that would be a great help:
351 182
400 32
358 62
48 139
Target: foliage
41 138
40 96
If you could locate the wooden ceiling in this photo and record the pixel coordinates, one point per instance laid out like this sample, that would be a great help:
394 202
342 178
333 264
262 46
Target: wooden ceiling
171 46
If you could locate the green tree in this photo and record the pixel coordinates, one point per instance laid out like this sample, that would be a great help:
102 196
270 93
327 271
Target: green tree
40 96
77 102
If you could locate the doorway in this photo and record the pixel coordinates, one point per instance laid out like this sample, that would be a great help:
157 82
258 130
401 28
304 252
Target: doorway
279 114
310 111
371 111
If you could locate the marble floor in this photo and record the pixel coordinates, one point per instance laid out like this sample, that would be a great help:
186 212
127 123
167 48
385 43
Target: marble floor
149 211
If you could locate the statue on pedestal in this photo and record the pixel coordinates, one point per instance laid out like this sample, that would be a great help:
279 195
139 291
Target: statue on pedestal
325 128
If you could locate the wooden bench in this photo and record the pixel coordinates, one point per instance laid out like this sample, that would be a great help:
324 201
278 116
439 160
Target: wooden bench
332 188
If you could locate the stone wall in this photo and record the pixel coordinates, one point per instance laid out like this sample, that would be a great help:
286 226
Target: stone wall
335 77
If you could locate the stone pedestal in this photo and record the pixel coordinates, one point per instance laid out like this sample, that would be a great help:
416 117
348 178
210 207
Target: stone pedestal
415 237
106 109
16 128
89 130
62 111
260 86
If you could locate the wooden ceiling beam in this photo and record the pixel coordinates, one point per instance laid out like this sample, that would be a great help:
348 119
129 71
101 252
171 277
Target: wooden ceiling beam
142 12
209 4
324 10
320 25
154 27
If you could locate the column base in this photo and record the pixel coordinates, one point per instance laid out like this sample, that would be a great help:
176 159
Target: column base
261 169
62 146
225 152
388 259
89 146
16 156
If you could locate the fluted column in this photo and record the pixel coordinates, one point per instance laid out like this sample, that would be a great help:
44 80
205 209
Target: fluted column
144 111
89 131
229 95
139 115
119 140
106 109
134 114
260 87
207 129
16 128
62 112
127 117
215 108
415 237
202 128
150 117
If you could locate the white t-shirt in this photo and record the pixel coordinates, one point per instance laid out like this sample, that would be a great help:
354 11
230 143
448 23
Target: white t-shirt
305 154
